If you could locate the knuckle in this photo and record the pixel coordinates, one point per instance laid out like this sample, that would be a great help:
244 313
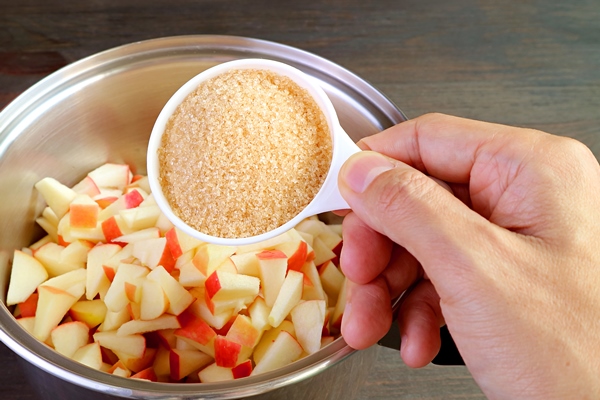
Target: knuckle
406 187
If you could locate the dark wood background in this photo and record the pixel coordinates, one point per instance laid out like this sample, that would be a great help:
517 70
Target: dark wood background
531 63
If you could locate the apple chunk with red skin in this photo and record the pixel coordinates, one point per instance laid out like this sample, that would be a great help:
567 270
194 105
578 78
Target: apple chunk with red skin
227 352
273 267
184 362
53 305
289 295
243 332
179 298
223 285
210 256
196 332
110 175
83 212
26 274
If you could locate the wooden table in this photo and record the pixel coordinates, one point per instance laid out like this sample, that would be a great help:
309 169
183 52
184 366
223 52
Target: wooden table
531 63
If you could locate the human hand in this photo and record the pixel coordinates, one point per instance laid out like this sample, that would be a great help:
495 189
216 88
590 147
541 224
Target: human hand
508 258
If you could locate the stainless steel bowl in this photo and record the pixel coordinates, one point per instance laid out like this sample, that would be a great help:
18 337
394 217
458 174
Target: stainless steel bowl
102 109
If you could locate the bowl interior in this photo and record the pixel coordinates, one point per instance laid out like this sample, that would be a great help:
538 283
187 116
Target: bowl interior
102 109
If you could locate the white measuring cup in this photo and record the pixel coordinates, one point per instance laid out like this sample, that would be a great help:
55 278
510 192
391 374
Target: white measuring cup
328 198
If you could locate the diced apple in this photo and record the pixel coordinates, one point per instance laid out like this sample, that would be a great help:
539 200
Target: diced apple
154 302
113 320
49 227
29 306
222 285
163 224
76 252
161 363
144 234
284 350
179 297
200 308
332 279
133 345
67 338
28 323
268 338
269 244
114 227
154 252
57 196
214 373
296 252
119 369
140 217
190 276
126 201
89 355
139 326
136 364
67 234
289 295
242 370
180 242
184 362
109 175
72 282
41 242
116 297
83 212
313 288
26 274
246 264
50 257
273 268
227 352
96 279
332 240
210 256
322 252
259 314
243 332
147 375
86 186
53 305
308 318
90 312
198 333
338 312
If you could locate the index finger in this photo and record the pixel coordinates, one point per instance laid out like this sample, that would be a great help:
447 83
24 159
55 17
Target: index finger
443 146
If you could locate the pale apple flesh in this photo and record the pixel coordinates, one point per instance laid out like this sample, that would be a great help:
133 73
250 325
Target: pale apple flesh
115 286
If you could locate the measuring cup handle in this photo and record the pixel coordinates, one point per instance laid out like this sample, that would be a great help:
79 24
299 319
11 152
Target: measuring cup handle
331 199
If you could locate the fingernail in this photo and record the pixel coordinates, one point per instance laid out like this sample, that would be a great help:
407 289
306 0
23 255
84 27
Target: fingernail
362 168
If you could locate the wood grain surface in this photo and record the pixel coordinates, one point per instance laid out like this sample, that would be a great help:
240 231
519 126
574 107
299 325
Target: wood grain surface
530 63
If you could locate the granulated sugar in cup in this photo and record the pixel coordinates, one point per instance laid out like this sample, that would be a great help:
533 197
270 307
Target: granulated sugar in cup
246 150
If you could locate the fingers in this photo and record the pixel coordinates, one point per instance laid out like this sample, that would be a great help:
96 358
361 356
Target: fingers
411 209
362 263
368 314
420 319
443 146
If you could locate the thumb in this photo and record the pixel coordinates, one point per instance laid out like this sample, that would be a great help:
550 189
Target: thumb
413 210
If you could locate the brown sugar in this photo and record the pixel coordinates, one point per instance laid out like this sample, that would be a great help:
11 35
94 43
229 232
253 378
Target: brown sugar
244 153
